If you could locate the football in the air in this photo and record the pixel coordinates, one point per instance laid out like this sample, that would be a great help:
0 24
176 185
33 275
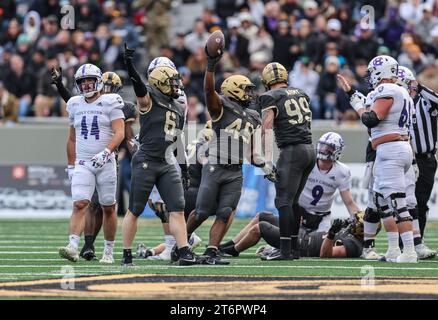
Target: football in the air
215 44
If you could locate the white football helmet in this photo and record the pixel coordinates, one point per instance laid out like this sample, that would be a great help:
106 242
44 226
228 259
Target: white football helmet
160 62
382 67
330 146
88 70
405 77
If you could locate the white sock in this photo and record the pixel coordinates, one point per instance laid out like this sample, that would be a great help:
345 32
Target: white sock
392 240
109 245
74 241
169 241
408 241
416 228
370 230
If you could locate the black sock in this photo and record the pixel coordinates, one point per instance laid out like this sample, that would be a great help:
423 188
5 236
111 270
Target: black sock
183 251
294 242
368 243
94 239
231 250
127 254
89 240
285 246
417 241
210 251
285 218
227 244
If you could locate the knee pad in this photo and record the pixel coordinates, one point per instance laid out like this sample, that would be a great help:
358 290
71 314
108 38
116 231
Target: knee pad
264 215
81 204
224 214
264 227
414 213
201 215
161 211
382 207
371 215
398 204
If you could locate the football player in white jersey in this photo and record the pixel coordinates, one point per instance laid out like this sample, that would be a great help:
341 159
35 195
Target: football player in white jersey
96 130
389 118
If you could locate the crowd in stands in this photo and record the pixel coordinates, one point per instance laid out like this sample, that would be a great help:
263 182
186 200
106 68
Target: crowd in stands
313 39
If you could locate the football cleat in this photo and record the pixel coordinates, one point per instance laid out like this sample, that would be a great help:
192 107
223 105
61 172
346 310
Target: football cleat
276 255
264 250
143 252
88 254
423 252
369 254
391 255
194 241
174 254
407 257
107 257
69 253
190 259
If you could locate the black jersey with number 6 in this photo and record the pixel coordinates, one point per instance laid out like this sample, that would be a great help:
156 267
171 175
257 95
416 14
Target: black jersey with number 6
160 125
233 130
292 115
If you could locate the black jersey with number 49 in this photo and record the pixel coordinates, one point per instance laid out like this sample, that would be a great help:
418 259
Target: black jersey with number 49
160 126
233 130
292 115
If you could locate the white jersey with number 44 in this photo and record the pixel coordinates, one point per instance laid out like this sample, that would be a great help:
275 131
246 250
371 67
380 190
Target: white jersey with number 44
92 122
319 192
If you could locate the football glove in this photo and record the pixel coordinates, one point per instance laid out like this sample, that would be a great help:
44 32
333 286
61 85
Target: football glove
185 177
357 100
337 225
56 75
70 169
129 53
271 172
212 61
101 158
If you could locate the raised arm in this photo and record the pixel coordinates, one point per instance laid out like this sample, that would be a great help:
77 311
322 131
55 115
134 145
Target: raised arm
214 104
57 81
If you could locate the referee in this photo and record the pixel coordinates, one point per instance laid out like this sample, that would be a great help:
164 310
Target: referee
424 138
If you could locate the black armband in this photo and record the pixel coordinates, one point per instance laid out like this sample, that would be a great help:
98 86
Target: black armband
139 87
351 92
63 91
370 119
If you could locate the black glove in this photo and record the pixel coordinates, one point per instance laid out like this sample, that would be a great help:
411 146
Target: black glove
129 53
337 225
56 75
212 61
273 175
185 176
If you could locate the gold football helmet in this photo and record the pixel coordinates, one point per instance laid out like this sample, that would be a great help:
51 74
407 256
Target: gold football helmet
238 87
111 82
273 73
167 80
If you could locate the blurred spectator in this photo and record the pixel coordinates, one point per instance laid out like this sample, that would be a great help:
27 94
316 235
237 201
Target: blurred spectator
20 83
227 8
334 35
307 41
46 8
305 78
360 73
256 8
429 76
32 25
195 110
48 102
283 42
426 24
50 31
125 30
197 64
414 59
23 47
365 47
257 63
180 52
67 60
109 47
344 110
236 44
411 11
263 43
37 62
156 24
327 87
432 48
247 27
9 38
8 106
331 49
391 28
8 8
292 7
211 20
327 9
272 17
345 17
310 10
197 38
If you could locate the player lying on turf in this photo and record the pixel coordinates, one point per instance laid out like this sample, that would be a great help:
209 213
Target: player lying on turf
343 239
94 214
96 130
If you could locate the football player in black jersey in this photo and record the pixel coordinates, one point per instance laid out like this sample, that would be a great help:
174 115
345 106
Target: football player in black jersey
94 215
344 238
233 124
286 110
161 122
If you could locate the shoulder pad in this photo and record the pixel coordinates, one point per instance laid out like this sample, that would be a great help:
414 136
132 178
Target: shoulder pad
254 115
387 90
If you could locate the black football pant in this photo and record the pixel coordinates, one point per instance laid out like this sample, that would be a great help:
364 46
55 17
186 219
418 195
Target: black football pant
427 166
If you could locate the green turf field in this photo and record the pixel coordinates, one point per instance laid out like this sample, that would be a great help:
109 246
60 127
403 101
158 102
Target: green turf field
29 251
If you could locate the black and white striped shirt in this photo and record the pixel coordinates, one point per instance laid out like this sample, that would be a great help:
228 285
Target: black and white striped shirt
424 121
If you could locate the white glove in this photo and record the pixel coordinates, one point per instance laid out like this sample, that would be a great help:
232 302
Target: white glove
70 170
357 100
101 158
368 174
416 170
